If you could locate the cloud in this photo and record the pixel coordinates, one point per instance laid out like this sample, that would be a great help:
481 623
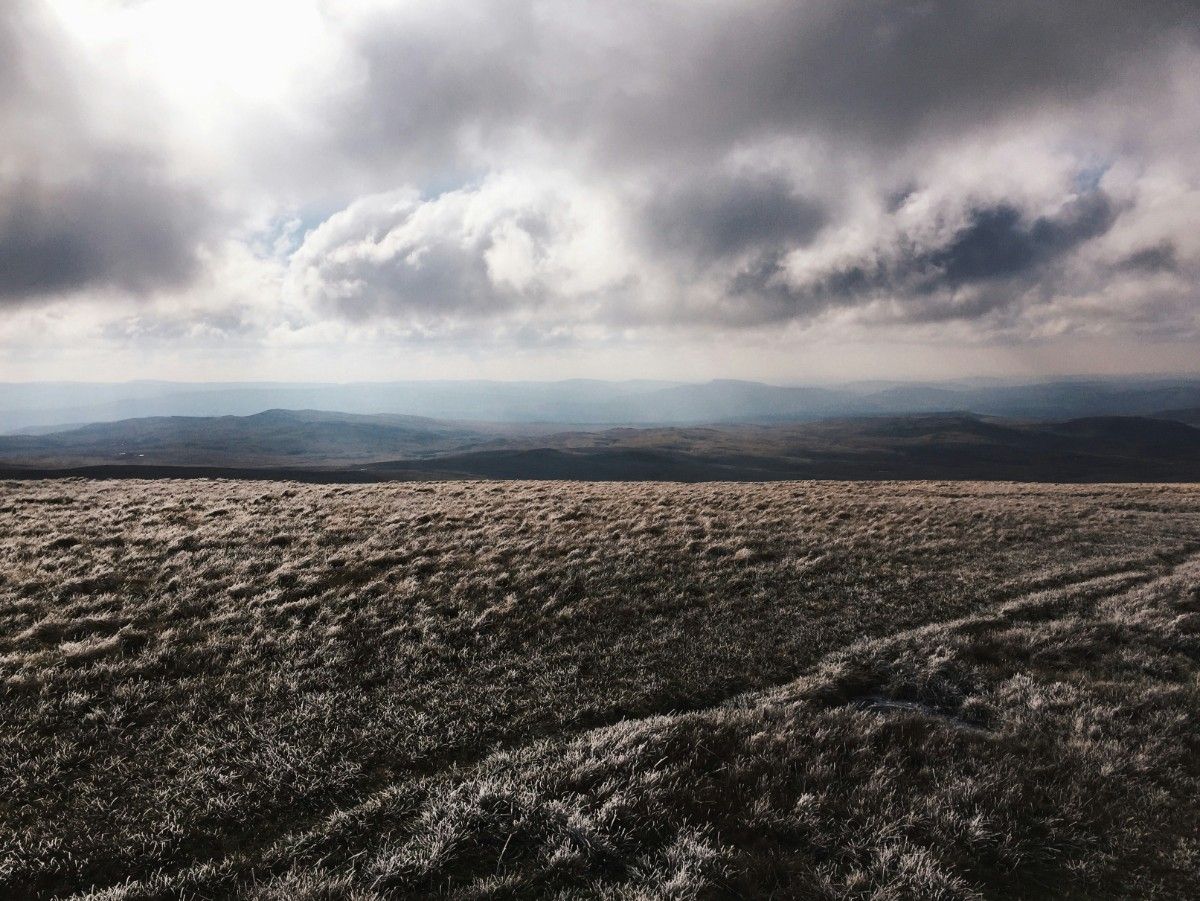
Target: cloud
120 226
997 243
713 216
508 246
886 72
975 171
742 143
464 83
80 209
1159 258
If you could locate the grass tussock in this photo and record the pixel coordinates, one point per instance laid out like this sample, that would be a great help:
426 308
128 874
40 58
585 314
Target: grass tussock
485 690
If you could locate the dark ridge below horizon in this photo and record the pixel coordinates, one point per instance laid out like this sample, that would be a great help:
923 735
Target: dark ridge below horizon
320 445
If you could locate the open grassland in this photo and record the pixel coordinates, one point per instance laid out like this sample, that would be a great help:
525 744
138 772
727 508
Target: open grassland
498 690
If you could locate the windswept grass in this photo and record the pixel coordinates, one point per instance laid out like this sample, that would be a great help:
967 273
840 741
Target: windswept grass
890 690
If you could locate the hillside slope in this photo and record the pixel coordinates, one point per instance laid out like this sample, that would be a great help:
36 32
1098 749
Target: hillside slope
465 690
273 437
934 446
326 446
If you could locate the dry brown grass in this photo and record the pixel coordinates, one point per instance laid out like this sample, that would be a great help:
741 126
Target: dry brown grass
859 690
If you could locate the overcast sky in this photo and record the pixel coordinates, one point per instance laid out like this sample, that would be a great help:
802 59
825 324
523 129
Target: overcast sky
372 189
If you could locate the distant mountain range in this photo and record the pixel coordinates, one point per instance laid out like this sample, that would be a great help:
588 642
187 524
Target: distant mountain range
270 438
325 446
41 407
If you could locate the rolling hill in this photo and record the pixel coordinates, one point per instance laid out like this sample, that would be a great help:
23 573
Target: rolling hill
52 406
1190 416
312 445
273 437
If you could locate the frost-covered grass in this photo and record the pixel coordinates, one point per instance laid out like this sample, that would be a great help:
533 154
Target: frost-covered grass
889 690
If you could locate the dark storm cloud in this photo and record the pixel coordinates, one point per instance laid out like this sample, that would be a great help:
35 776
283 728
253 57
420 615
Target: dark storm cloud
997 252
1160 258
636 82
885 70
79 211
715 216
998 243
761 293
119 228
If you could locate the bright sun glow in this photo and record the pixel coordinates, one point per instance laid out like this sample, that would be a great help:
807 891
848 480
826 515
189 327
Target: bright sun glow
205 52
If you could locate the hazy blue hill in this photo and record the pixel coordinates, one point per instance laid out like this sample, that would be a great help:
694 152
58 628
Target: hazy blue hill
574 401
1061 400
917 398
270 437
585 401
724 401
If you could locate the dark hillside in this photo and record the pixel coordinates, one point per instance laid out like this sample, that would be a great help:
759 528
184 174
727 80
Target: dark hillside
1190 416
269 691
287 444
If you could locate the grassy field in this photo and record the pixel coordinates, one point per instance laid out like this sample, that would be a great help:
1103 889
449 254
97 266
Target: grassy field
498 690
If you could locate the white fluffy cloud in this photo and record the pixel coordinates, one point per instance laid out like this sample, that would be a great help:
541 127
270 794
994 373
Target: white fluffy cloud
537 249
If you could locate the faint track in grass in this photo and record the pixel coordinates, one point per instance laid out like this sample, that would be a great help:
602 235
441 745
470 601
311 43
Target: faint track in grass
1059 593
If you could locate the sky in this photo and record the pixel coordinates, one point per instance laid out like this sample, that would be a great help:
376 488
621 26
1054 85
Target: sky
687 189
